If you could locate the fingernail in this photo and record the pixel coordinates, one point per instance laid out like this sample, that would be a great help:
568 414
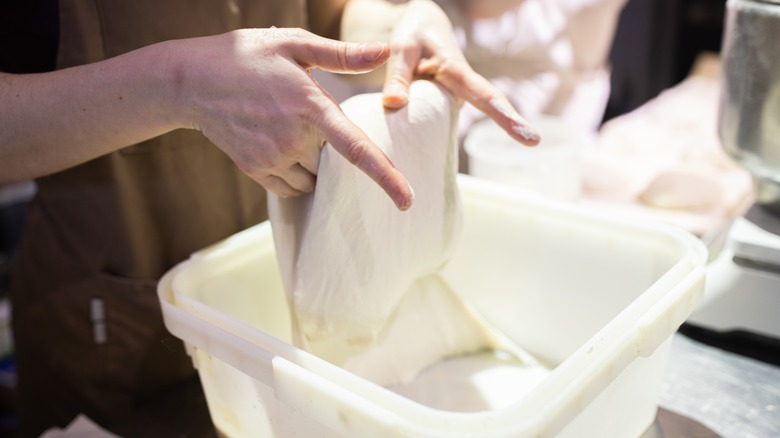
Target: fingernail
519 125
525 131
372 51
395 96
404 201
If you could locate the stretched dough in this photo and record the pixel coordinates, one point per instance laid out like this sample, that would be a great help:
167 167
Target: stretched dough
349 258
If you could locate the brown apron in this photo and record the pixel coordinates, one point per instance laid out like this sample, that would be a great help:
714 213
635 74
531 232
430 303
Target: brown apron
86 319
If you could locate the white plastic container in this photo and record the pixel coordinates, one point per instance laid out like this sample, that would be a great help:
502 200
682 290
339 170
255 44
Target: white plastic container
553 168
596 297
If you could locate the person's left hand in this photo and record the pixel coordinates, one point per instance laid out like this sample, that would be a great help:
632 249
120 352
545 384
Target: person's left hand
423 44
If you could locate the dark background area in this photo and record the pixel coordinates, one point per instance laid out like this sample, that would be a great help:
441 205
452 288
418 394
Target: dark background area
656 43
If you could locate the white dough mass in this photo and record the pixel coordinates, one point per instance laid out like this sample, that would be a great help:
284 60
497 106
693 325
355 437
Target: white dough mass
349 258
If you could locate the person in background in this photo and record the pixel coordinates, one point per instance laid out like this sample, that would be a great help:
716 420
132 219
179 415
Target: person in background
549 57
157 135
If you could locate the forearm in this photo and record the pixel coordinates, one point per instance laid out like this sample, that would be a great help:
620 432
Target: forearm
56 120
249 91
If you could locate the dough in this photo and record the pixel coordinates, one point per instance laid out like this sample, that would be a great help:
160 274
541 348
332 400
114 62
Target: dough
349 258
431 323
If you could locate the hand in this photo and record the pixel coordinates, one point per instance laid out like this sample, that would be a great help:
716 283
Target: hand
423 45
250 92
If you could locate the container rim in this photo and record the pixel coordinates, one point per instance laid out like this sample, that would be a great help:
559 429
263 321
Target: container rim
538 407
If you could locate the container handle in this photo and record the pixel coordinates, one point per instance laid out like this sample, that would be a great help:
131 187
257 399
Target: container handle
663 319
330 404
230 348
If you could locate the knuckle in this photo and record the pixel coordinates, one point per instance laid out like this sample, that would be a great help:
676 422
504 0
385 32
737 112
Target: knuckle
401 79
253 165
454 71
357 152
294 34
314 120
488 100
342 54
289 38
385 179
300 33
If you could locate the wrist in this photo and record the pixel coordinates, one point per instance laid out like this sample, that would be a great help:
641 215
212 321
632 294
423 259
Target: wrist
167 86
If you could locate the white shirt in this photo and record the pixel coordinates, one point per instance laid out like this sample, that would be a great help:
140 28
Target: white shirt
547 56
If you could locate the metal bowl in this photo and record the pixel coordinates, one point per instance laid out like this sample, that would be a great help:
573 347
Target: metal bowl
749 118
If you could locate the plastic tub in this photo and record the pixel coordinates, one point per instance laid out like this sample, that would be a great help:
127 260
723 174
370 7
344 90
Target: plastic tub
596 297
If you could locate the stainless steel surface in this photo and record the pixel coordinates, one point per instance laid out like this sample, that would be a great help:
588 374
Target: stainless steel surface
669 424
732 395
749 121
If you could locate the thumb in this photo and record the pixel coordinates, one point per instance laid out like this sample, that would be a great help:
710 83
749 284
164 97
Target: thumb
339 57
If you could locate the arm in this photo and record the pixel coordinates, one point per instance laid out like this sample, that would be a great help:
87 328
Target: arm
423 44
248 91
52 121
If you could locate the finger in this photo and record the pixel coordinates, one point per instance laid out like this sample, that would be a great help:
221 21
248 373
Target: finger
299 178
428 67
311 162
277 185
351 142
337 56
477 90
400 73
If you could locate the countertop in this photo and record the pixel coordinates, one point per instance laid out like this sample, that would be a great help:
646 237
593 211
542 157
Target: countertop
731 394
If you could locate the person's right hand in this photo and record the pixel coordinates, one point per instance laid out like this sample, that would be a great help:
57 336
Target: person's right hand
250 92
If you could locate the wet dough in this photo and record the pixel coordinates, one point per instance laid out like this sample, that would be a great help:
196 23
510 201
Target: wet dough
349 258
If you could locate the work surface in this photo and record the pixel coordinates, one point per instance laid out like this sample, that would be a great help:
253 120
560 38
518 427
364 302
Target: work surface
733 395
707 393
